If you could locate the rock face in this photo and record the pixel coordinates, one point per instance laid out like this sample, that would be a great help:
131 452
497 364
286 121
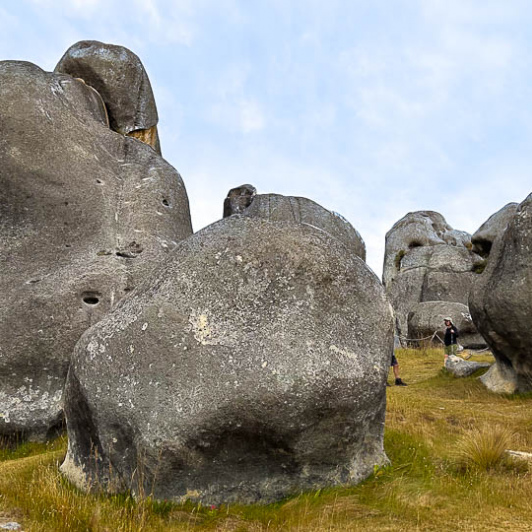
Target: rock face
501 302
427 317
426 260
463 368
120 78
491 229
277 208
239 199
86 213
251 366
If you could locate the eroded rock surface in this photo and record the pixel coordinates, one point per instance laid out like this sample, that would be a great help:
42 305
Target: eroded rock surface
493 228
277 208
252 366
86 214
239 199
426 260
120 78
501 303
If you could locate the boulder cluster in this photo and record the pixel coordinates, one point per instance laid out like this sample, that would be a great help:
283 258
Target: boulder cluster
429 268
244 362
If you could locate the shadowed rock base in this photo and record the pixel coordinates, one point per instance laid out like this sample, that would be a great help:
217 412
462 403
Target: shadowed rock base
500 378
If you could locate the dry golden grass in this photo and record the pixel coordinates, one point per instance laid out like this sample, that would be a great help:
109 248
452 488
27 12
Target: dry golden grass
482 448
444 437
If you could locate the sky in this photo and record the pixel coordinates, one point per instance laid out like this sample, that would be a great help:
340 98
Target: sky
371 108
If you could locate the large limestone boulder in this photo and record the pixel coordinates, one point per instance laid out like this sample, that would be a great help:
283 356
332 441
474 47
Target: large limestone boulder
427 317
120 78
252 366
501 303
86 214
418 229
426 260
278 208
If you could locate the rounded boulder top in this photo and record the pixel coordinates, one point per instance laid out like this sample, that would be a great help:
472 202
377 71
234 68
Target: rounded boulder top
120 78
277 208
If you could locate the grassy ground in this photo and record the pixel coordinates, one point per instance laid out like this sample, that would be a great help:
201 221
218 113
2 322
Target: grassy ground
445 438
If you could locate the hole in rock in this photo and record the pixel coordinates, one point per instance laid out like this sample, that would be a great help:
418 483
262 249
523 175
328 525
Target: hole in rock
165 203
91 298
482 247
415 244
99 181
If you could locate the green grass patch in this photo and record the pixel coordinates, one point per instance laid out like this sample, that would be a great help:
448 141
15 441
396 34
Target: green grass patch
10 450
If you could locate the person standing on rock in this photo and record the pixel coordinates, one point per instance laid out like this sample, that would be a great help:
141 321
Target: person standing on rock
451 334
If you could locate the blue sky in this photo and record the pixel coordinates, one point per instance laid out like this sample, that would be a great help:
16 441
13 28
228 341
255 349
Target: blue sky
372 108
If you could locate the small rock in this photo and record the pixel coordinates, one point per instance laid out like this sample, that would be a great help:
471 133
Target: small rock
520 455
463 368
11 526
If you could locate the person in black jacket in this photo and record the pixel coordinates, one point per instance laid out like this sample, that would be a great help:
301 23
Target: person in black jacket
451 334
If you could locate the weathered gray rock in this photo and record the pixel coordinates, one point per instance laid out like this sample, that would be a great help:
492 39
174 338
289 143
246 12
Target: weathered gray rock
427 317
426 260
86 214
277 208
120 78
253 365
418 229
492 228
463 368
239 199
500 378
519 455
501 302
11 525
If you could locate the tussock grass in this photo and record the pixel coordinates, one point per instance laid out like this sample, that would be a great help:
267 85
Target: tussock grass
482 448
445 438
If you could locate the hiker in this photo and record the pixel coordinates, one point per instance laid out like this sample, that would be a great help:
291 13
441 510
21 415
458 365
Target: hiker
395 366
451 334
